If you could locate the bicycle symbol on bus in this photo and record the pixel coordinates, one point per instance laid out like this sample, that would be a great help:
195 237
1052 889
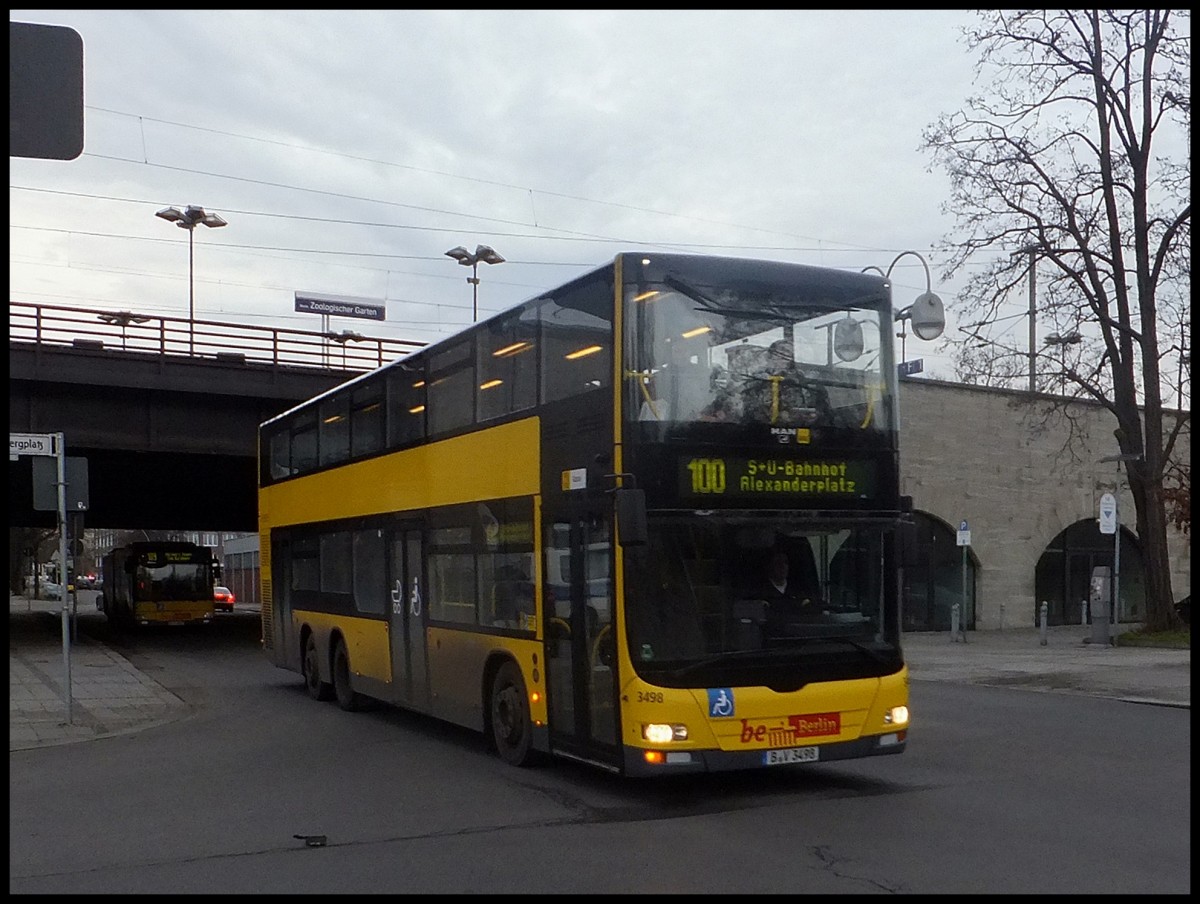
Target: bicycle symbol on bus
414 601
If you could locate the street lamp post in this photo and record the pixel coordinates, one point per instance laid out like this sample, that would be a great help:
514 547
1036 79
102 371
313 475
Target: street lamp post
342 338
926 314
483 254
189 219
1033 251
122 319
1062 341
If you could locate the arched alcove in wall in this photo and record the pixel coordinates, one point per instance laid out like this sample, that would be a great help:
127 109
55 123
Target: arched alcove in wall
1064 574
935 581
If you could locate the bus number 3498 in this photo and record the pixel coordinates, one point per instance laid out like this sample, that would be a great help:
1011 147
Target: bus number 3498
708 475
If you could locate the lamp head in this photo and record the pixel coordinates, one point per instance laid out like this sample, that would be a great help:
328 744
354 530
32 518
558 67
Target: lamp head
191 217
848 339
487 254
461 254
927 315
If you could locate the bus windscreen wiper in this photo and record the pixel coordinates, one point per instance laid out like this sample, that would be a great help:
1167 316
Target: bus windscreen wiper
767 655
710 305
858 645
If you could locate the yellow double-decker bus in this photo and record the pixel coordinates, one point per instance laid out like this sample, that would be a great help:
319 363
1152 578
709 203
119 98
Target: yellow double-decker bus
164 582
649 520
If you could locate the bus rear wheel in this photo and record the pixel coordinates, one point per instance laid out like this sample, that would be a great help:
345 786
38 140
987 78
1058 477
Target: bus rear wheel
347 698
511 730
317 689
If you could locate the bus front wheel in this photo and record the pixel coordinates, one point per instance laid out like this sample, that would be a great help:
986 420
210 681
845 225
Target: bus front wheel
317 689
511 729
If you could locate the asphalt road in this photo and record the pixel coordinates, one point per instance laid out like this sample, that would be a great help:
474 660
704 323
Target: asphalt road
1002 790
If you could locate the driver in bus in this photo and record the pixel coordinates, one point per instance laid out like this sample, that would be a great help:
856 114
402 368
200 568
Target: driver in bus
788 600
780 393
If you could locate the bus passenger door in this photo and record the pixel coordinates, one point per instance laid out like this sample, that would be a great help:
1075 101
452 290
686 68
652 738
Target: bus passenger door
579 634
283 630
410 676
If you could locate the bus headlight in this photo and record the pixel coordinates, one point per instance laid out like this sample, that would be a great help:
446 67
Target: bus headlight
897 715
658 733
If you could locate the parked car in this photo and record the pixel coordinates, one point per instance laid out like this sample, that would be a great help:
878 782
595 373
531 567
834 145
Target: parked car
224 599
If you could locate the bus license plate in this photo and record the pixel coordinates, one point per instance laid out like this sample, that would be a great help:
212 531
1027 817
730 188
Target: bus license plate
790 755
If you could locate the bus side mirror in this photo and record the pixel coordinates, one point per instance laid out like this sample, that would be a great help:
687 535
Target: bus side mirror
631 516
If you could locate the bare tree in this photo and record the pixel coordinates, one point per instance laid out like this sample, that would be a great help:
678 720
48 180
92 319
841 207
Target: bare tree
28 547
1071 161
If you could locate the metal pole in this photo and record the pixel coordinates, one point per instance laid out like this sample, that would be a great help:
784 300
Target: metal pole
1032 320
962 626
475 292
191 292
60 455
1116 593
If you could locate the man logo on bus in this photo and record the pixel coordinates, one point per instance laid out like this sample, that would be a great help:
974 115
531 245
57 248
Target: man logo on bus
720 702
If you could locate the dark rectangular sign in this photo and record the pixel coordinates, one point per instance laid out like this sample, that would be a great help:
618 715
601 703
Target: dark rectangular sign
340 307
45 483
45 91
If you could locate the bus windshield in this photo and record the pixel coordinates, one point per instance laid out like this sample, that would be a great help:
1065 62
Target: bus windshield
728 583
756 353
173 581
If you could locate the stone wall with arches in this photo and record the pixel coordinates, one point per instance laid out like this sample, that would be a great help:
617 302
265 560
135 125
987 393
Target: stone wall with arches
1021 469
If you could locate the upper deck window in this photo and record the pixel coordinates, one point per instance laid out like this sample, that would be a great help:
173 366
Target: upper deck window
745 353
577 338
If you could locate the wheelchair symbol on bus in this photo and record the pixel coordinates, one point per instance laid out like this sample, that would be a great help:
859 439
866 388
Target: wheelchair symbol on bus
720 702
414 605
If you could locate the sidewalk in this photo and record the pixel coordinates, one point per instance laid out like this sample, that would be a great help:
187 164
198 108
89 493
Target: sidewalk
111 697
1015 657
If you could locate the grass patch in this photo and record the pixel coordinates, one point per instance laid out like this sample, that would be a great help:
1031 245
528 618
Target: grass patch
1175 640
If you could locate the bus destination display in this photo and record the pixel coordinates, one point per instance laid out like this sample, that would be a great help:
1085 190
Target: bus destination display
773 477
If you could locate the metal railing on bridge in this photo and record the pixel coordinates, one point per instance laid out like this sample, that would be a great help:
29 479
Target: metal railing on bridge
232 343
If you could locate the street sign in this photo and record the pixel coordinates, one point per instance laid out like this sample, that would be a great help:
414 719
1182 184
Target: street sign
45 91
30 444
45 484
340 306
1108 514
964 534
905 368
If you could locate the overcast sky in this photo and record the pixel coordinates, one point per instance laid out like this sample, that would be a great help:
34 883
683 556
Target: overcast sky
349 150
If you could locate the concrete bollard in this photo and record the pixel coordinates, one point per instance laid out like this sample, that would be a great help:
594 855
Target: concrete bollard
1042 618
954 623
1083 612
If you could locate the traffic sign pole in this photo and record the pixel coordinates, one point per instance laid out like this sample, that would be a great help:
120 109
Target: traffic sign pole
1110 523
59 443
1116 591
53 444
964 540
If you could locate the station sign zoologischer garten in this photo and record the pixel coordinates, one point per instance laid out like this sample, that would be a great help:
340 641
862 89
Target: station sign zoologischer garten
340 306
